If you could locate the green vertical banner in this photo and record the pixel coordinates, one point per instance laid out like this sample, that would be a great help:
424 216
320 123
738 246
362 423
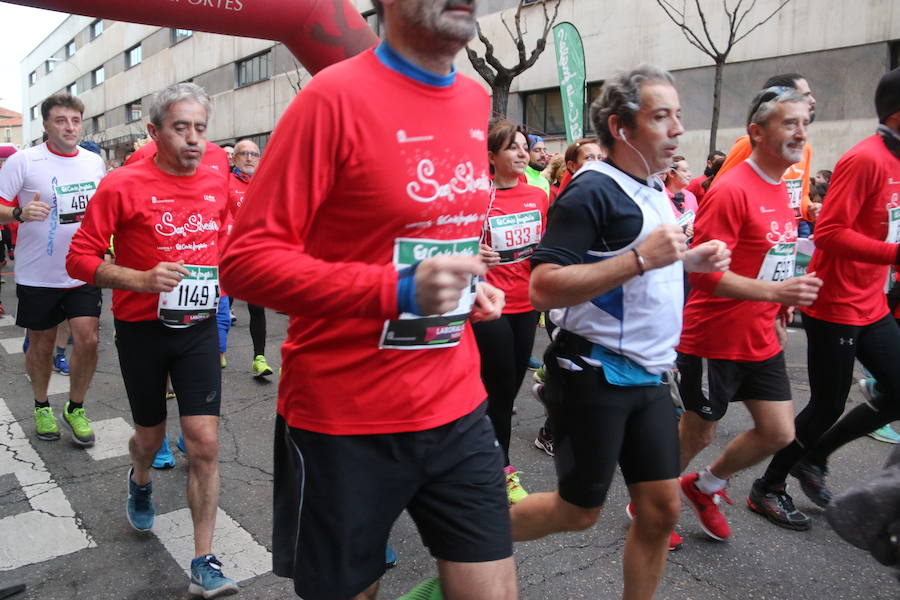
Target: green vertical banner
570 64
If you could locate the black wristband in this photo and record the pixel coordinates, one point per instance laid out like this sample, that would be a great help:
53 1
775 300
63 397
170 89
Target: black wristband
17 214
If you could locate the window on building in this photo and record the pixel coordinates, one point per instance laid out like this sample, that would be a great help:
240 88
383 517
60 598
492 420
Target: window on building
32 77
593 92
49 64
98 76
70 49
35 112
179 35
373 21
895 54
72 88
133 56
7 135
133 111
96 28
98 124
253 69
544 112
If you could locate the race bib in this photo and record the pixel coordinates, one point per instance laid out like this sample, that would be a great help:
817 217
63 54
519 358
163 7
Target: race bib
795 193
687 218
414 332
893 236
779 262
194 299
72 200
515 237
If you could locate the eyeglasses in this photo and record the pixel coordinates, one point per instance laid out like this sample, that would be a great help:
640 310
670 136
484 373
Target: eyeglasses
766 95
247 154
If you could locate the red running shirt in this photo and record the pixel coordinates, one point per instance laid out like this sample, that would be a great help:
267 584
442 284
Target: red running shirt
390 169
156 217
857 235
516 223
753 218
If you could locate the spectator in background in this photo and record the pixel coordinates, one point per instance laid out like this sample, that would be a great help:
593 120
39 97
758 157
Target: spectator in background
713 162
823 176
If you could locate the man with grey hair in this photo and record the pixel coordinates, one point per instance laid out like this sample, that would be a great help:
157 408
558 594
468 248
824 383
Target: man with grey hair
610 270
749 211
167 214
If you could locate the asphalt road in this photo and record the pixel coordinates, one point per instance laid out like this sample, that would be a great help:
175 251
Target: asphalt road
64 534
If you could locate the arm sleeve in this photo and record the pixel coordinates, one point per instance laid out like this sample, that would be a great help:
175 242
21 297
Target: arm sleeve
12 177
719 218
738 154
855 179
265 262
92 239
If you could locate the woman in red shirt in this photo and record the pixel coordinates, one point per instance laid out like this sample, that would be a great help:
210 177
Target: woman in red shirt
515 223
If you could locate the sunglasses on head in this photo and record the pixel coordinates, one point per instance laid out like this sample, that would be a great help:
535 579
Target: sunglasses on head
767 95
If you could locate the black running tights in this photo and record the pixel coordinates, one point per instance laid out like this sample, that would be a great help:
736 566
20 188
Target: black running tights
257 328
505 347
831 350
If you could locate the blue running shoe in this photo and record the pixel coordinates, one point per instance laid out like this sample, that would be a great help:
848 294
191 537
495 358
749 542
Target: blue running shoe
25 344
390 557
207 580
139 507
60 364
180 444
164 457
533 363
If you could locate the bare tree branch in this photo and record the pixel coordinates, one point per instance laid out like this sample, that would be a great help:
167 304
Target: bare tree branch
763 22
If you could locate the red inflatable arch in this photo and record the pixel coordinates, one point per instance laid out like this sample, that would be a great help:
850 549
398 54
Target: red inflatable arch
318 32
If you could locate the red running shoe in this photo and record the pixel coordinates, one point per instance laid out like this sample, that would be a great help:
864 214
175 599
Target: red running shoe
675 541
712 521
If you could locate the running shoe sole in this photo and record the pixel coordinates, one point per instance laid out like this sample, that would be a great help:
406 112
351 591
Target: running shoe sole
225 590
48 437
75 440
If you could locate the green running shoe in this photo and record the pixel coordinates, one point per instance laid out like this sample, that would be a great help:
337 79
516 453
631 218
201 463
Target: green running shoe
82 434
514 490
45 424
430 589
260 367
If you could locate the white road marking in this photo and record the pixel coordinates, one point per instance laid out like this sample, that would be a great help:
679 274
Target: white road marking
7 320
242 557
111 438
51 528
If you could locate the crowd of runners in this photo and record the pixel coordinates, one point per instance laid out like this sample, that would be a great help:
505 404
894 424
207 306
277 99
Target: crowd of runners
432 255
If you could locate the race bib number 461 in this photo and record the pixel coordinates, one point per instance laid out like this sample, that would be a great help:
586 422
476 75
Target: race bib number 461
414 332
72 200
194 299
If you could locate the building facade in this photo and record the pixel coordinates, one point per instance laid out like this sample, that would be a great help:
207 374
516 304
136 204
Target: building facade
843 49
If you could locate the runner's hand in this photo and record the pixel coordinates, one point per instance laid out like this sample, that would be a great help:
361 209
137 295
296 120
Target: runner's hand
163 277
490 256
663 246
441 281
35 210
813 210
798 291
489 303
708 257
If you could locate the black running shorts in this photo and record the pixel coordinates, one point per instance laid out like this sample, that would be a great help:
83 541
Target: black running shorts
337 497
148 351
42 308
731 381
597 425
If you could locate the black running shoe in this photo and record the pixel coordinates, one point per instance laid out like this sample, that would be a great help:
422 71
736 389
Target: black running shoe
812 482
777 506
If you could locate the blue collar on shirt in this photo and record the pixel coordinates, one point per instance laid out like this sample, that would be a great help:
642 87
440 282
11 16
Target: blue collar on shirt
389 58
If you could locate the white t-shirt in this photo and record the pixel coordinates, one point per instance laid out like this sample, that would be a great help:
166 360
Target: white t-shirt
67 184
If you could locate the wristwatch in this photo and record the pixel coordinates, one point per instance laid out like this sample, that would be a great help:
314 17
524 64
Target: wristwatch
17 214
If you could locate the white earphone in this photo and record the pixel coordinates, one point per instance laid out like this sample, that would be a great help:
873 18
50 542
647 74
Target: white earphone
622 134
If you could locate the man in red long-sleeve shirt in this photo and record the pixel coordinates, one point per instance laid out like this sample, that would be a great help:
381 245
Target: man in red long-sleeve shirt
368 237
857 241
167 213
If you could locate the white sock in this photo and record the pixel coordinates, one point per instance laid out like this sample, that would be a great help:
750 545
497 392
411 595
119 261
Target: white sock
709 483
